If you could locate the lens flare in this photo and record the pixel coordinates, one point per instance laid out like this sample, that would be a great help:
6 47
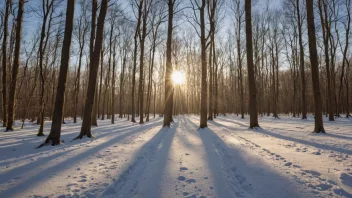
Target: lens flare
178 78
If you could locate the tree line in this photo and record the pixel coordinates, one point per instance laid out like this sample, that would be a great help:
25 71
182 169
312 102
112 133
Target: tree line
100 58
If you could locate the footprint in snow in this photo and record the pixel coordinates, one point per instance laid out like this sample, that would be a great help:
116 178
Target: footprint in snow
324 186
181 178
346 179
76 190
191 181
288 164
240 179
71 184
342 192
183 168
314 173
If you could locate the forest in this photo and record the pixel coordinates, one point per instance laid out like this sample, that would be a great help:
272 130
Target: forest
194 93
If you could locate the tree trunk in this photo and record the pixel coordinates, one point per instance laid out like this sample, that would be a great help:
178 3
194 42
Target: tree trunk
87 117
168 74
122 79
16 65
4 64
203 99
314 67
91 52
113 85
55 132
253 112
100 112
239 58
141 64
133 113
326 35
301 63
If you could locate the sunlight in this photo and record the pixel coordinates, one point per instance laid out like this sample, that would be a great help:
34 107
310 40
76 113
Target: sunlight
178 78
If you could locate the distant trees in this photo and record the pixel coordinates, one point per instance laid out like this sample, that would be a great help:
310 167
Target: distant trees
136 34
199 18
47 14
80 33
301 60
239 11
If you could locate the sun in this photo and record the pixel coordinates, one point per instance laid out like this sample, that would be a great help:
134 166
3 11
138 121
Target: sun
178 78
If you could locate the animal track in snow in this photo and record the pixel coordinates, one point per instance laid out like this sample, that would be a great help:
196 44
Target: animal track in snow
346 179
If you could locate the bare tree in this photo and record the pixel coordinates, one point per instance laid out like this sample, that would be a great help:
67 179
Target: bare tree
55 132
87 117
16 65
4 63
326 35
168 72
253 112
80 32
314 67
139 20
301 63
47 19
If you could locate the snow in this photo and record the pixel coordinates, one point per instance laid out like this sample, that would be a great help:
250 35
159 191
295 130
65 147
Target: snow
280 159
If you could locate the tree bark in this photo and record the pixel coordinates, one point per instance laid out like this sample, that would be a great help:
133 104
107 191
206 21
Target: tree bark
314 67
16 65
168 75
113 85
55 132
251 79
133 113
4 64
204 94
87 117
301 63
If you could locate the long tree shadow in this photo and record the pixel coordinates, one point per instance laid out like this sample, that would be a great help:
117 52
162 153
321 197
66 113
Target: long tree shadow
148 163
338 136
32 142
216 123
301 141
185 135
236 174
232 121
25 184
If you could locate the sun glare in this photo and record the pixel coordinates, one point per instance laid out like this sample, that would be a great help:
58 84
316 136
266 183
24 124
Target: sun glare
178 78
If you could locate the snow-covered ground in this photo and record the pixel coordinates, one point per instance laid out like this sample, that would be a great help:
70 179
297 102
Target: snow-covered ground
282 159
